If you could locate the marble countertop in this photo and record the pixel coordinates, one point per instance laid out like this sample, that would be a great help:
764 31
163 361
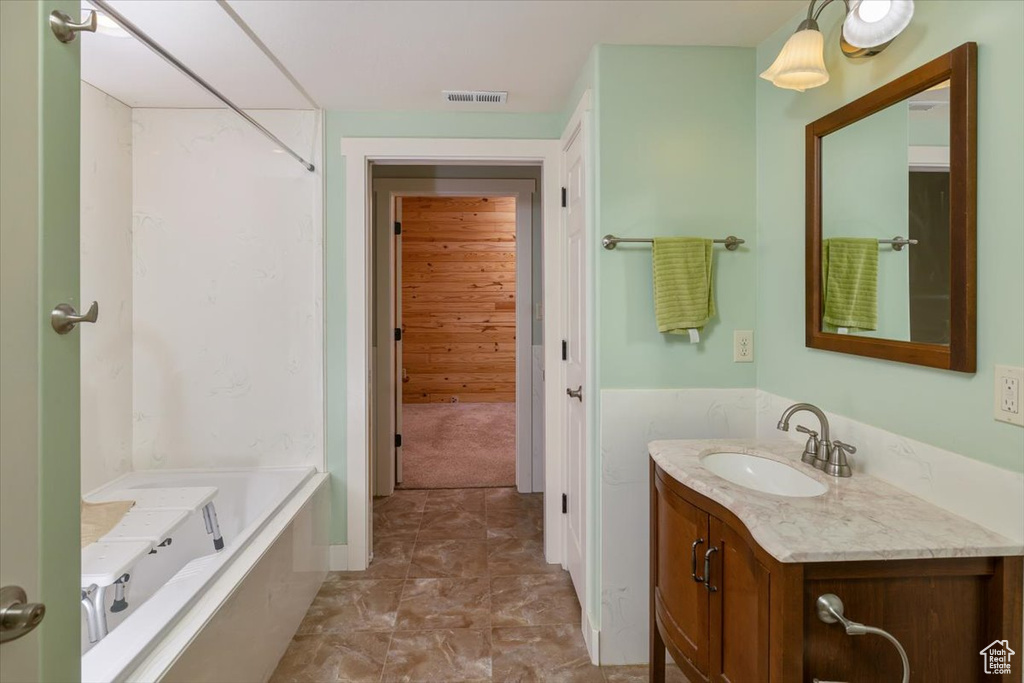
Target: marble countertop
858 518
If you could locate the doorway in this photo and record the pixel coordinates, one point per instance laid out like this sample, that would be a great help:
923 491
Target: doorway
457 347
456 360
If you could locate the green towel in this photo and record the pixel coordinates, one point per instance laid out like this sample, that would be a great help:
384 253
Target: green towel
682 284
849 276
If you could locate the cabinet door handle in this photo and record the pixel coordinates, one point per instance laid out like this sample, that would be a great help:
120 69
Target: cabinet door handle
693 561
707 569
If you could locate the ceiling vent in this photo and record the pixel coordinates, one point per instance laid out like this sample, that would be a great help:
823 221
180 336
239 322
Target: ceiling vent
475 96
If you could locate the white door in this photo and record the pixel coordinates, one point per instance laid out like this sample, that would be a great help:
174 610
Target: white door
39 369
396 315
575 368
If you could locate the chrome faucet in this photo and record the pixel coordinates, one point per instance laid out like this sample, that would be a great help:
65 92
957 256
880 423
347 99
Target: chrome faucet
822 453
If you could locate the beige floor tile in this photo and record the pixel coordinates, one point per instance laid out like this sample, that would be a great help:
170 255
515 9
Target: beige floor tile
448 559
453 524
509 498
444 603
354 606
514 523
391 560
516 556
441 656
356 657
545 654
536 600
640 674
400 521
470 500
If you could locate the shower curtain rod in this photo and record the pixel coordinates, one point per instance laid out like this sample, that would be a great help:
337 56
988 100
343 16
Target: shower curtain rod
144 38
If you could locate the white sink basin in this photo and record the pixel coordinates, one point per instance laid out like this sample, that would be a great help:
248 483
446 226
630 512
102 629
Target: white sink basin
762 474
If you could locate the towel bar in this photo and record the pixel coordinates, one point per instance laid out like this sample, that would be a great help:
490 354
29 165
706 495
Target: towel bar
732 243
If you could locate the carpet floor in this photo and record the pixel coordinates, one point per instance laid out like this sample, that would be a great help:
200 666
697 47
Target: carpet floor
458 445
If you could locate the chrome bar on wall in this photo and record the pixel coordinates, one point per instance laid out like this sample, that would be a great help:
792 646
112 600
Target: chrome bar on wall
144 38
732 243
898 242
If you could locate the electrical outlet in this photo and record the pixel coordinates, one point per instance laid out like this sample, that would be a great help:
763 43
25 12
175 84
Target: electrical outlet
742 346
1007 405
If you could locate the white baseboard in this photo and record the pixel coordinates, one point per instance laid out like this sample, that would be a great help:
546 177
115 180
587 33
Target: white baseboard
337 558
592 639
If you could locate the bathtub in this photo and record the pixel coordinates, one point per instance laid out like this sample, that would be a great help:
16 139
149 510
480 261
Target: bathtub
195 614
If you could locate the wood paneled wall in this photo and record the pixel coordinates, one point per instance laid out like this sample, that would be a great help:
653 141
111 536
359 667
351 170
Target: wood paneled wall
459 299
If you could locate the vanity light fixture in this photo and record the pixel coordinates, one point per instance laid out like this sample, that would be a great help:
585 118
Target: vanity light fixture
869 27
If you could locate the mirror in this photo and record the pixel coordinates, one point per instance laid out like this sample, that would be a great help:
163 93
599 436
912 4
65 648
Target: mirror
890 219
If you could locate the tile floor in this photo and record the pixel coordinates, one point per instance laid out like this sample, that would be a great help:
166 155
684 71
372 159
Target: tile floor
458 591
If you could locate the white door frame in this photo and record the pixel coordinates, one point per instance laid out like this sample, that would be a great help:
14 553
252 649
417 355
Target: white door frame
387 190
358 153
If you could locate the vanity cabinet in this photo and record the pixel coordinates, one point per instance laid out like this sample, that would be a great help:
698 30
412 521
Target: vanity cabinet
729 612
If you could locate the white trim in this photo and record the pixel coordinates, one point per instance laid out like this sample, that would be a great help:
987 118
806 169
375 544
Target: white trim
492 187
359 152
928 157
592 639
337 558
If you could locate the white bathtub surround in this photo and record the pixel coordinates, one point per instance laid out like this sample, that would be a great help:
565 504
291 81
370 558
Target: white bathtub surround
337 558
629 420
984 494
228 291
274 526
858 518
106 277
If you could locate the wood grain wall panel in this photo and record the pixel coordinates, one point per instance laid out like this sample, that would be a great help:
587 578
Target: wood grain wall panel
459 299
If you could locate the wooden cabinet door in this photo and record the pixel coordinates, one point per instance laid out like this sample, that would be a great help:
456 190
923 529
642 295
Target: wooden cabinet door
680 602
738 591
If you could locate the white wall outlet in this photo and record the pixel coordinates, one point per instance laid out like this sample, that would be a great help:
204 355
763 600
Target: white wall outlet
1007 406
742 346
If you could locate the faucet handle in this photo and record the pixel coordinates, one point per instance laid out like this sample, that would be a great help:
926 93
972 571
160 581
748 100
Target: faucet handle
844 446
812 448
837 465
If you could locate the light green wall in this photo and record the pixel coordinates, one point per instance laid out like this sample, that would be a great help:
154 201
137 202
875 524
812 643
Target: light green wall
393 125
676 148
865 192
947 409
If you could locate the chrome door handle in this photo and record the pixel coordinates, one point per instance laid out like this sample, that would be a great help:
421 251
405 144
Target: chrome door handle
64 317
707 569
18 616
693 561
575 393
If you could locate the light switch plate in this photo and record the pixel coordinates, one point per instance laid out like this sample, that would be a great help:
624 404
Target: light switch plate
742 346
1007 403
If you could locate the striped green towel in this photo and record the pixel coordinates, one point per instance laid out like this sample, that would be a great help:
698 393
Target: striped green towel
849 276
682 284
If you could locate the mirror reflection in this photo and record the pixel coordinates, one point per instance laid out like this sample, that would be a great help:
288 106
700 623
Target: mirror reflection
885 223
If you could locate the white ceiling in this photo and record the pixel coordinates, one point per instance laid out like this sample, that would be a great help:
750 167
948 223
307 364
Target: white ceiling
399 54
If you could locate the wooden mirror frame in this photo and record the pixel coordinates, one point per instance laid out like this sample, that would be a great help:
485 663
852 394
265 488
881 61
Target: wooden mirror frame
960 68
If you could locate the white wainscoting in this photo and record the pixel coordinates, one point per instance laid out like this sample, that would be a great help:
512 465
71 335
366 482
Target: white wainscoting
629 420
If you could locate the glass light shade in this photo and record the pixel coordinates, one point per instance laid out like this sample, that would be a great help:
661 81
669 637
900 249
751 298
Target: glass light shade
801 63
871 23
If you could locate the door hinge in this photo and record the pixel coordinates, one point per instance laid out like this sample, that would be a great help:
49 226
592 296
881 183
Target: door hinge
398 440
565 197
398 334
565 350
398 228
565 504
